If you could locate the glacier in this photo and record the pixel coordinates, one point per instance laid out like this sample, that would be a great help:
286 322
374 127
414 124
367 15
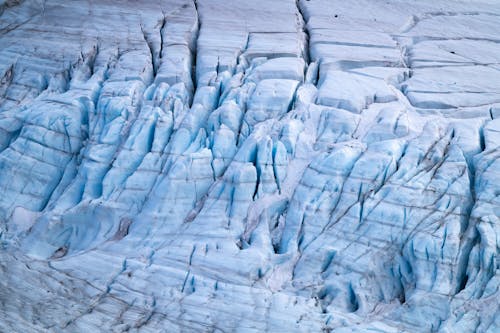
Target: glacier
250 166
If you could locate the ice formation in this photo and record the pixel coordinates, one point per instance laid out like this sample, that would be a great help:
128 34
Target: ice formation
249 166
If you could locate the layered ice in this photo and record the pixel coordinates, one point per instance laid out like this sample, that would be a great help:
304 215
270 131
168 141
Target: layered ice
249 166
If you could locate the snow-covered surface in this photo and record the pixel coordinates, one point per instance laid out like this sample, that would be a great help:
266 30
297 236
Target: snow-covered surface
218 166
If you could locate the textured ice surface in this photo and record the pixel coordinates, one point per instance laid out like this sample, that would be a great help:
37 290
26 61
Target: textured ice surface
219 166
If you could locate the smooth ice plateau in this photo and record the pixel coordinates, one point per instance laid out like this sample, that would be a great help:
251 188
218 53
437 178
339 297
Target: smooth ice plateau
250 166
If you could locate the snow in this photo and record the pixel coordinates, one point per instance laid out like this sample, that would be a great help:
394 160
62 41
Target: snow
249 166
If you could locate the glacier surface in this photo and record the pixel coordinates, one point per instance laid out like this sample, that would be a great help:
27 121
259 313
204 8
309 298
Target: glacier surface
250 166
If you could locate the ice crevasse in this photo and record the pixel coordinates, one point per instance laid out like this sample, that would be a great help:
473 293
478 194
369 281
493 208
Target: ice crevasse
249 166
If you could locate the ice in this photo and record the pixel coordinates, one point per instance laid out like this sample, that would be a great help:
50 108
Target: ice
351 92
455 86
284 166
